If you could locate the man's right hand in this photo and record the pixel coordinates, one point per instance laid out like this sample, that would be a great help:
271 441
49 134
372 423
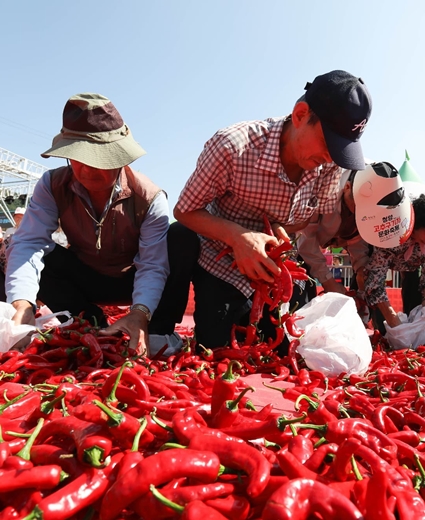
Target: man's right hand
249 249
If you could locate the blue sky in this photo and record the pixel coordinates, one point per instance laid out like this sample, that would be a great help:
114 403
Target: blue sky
178 70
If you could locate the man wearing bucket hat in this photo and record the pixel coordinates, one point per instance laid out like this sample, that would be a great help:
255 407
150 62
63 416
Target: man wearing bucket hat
115 220
366 197
284 168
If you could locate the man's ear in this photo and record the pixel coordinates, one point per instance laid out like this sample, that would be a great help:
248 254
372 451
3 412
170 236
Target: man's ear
348 186
300 111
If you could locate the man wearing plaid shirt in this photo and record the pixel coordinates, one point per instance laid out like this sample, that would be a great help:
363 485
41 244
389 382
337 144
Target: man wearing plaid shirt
286 168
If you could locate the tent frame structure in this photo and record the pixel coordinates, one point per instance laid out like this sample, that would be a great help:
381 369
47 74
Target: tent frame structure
18 177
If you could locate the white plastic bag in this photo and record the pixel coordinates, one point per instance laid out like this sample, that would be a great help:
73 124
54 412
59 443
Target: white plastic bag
11 333
335 338
411 332
48 319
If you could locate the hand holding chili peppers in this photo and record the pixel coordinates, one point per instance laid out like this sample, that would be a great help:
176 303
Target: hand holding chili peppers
135 325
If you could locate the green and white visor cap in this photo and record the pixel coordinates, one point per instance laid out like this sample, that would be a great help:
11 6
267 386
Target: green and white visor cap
94 133
384 214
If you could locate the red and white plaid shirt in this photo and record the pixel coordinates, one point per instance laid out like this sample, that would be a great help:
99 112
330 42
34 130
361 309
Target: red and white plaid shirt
239 177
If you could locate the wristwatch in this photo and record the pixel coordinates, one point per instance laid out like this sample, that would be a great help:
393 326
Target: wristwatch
143 308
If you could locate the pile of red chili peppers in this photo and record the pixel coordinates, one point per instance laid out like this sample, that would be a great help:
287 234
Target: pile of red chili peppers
91 430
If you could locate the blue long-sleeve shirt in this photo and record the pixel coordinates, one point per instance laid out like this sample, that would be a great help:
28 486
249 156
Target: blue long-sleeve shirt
33 240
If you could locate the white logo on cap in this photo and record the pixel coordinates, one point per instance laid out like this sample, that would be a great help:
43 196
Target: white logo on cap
360 126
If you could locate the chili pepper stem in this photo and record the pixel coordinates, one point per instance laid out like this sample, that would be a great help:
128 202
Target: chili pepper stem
321 441
159 422
233 404
48 406
25 452
36 514
170 445
356 470
172 505
12 401
136 441
113 418
112 396
314 404
420 467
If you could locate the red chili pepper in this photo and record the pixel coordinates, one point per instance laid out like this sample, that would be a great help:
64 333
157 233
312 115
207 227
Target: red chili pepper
158 469
272 429
292 355
122 425
280 335
111 388
19 503
133 456
301 447
77 495
180 495
50 454
293 468
420 401
40 477
159 389
338 431
277 251
376 500
224 388
239 456
254 317
317 411
408 436
36 362
268 230
10 390
383 418
228 412
292 328
12 361
283 287
233 507
301 498
92 446
315 462
343 457
57 339
261 415
397 378
21 407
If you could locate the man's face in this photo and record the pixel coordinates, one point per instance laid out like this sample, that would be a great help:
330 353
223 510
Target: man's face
18 219
94 179
309 145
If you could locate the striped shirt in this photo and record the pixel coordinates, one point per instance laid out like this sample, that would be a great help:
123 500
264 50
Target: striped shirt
239 177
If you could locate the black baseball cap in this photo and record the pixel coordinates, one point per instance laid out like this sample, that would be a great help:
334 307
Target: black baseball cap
343 104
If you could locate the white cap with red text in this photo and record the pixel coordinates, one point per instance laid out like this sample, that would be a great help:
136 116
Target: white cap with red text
384 214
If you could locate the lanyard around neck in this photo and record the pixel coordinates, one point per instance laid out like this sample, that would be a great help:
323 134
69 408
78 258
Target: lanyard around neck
99 223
